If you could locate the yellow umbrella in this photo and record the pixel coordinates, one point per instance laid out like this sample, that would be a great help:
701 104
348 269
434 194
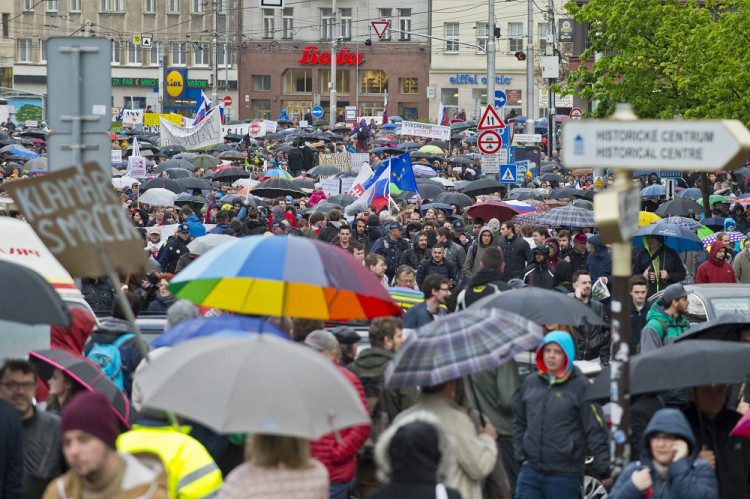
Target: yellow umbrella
647 218
430 149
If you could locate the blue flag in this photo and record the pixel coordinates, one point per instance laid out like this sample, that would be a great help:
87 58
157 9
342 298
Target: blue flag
402 174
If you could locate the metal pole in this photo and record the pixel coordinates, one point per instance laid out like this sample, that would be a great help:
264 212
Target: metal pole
551 95
491 54
334 46
226 57
530 69
215 57
75 63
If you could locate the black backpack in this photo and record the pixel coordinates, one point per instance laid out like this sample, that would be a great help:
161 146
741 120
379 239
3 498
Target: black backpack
361 134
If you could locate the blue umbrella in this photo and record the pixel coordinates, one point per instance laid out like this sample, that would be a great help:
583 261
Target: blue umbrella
389 126
678 238
24 153
653 191
692 193
472 140
208 326
520 119
685 222
440 206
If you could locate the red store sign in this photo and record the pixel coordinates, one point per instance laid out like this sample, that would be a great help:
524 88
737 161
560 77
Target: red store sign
312 55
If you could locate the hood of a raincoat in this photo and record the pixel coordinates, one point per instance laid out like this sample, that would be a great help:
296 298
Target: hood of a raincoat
671 422
565 341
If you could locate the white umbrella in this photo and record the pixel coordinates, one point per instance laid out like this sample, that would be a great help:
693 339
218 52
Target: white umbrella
124 182
158 195
245 182
257 384
444 181
200 245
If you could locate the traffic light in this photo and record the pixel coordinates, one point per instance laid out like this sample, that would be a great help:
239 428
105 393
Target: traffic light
520 56
497 32
368 42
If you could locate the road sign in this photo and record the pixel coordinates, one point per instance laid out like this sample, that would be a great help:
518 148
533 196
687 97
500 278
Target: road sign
227 101
504 155
508 174
317 112
490 163
576 114
490 120
500 98
523 166
136 38
667 145
527 137
254 128
489 142
380 27
146 41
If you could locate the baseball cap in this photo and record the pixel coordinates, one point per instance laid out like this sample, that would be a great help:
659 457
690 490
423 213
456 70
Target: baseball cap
184 228
458 225
277 224
673 292
580 237
394 225
156 230
345 335
320 339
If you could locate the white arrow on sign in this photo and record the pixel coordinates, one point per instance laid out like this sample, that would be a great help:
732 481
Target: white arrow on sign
666 145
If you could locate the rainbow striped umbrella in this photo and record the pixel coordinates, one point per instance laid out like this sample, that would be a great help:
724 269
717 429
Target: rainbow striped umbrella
275 173
284 276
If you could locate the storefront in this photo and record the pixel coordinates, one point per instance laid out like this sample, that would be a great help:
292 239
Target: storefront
295 77
468 91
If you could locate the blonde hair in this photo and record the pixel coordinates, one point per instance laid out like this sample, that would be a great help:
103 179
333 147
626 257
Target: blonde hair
270 451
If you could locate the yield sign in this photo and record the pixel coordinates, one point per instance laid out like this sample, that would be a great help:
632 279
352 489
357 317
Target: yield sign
490 120
380 27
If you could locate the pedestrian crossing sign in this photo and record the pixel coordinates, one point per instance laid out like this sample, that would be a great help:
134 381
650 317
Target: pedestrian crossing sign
508 174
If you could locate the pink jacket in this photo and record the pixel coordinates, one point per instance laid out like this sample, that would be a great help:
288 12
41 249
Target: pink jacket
316 197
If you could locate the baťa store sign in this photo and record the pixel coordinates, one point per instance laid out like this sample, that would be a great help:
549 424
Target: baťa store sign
313 55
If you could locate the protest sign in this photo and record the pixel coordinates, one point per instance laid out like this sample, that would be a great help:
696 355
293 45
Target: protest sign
132 117
205 134
116 155
239 129
331 186
136 167
425 130
341 160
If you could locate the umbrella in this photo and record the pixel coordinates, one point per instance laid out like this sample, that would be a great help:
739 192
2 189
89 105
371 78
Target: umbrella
679 206
23 152
320 122
231 174
646 217
304 183
124 182
178 173
717 222
86 374
714 198
430 190
230 199
174 163
187 156
245 182
688 223
411 145
492 209
423 169
726 327
194 183
542 306
678 238
37 164
209 326
26 297
292 276
529 218
522 193
681 365
692 193
438 143
654 191
158 196
405 297
460 344
324 207
232 155
163 183
186 198
203 244
430 149
552 177
274 187
442 181
296 380
569 216
173 149
448 209
205 161
562 193
482 186
733 238
323 171
457 198
342 199
275 173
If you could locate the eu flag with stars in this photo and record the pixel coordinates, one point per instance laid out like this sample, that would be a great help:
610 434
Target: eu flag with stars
402 174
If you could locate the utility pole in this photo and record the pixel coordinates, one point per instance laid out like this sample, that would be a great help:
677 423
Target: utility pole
334 46
215 56
225 3
530 69
491 54
550 51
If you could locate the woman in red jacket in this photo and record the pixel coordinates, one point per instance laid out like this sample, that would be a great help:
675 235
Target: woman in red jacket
716 269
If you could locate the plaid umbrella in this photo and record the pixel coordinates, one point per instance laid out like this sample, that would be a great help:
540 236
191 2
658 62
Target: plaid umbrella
688 223
733 238
568 216
463 343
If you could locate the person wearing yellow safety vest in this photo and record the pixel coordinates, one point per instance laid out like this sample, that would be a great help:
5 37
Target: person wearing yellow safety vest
191 472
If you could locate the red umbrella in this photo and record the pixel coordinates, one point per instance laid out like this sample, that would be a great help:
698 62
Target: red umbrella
492 209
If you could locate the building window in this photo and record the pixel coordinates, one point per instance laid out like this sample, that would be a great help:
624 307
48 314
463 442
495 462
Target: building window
75 5
543 36
515 32
105 6
404 24
224 54
24 50
51 5
261 83
346 24
482 35
179 54
135 54
261 109
386 15
373 82
478 100
326 24
197 6
200 54
222 6
149 6
268 23
115 59
28 5
451 33
296 82
153 57
449 99
287 23
118 5
6 25
173 6
408 85
342 81
42 50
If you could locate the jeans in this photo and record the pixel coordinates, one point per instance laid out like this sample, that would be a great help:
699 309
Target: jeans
338 490
535 485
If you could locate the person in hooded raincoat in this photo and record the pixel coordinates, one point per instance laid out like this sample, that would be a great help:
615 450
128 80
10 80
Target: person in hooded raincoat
362 133
717 269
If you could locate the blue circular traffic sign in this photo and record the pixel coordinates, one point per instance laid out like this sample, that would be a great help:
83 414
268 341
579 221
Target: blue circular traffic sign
317 112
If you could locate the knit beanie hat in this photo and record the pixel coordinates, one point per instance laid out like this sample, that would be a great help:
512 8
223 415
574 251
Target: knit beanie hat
277 212
90 412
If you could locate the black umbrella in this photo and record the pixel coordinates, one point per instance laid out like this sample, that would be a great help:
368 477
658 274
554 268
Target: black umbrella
233 137
681 365
439 143
346 174
232 155
342 199
178 173
457 198
174 163
680 206
27 297
35 133
325 207
522 194
482 186
304 183
550 167
173 149
562 193
164 183
186 198
274 187
231 174
552 177
86 374
194 183
726 328
461 160
274 136
320 123
588 195
715 222
323 171
542 306
430 190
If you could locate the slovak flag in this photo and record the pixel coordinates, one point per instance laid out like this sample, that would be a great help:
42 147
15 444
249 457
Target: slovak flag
385 110
378 191
443 116
204 108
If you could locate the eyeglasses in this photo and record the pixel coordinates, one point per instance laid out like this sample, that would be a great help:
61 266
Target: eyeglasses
13 385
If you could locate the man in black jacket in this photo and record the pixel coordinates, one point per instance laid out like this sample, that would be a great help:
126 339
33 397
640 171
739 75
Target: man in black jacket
418 252
516 252
487 281
591 341
577 254
11 451
639 307
658 263
254 225
176 247
539 272
295 160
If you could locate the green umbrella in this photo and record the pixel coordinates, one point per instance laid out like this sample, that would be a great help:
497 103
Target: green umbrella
714 198
205 161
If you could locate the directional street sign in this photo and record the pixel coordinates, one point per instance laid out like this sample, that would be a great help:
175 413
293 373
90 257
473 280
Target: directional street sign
317 112
380 27
500 98
489 142
508 174
667 145
490 120
527 137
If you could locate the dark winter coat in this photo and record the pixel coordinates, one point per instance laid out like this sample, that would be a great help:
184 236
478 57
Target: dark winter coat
598 263
392 251
539 275
108 332
516 253
11 451
428 266
664 258
593 341
638 320
484 283
171 253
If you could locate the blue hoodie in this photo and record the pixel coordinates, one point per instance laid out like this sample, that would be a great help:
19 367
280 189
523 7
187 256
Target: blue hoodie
729 222
689 478
565 341
598 264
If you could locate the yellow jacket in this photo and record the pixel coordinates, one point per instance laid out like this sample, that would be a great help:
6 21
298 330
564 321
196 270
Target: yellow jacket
191 472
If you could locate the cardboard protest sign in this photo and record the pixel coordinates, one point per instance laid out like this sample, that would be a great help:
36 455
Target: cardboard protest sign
205 134
77 214
341 160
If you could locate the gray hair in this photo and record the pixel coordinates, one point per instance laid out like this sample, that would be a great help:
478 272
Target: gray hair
181 310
